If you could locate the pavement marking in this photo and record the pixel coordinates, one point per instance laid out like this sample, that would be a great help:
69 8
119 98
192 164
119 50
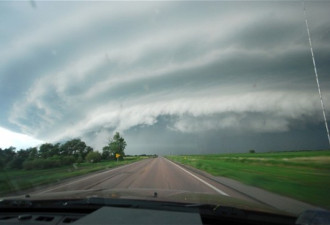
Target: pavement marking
201 180
86 178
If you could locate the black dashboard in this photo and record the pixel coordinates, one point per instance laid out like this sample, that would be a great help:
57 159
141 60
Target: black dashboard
96 210
124 215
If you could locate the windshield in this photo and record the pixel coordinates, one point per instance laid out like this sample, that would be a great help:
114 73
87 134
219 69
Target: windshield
186 101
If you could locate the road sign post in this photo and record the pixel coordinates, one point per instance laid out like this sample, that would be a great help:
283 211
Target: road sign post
117 156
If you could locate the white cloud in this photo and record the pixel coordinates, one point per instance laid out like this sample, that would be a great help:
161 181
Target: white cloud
10 138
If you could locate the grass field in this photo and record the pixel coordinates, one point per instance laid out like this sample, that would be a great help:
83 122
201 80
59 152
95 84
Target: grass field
303 175
17 180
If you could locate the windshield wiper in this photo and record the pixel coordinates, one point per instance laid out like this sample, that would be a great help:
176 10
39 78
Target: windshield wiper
64 203
96 202
148 204
13 203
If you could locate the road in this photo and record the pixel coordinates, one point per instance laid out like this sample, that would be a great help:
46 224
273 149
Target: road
160 173
155 173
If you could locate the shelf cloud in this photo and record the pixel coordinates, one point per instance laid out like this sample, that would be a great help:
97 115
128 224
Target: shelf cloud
165 71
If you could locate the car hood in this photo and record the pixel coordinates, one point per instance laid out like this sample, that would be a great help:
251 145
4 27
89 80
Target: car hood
163 195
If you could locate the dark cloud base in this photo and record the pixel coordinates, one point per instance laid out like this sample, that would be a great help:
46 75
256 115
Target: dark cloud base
158 139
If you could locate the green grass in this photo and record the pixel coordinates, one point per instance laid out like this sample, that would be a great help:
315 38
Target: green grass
303 175
17 180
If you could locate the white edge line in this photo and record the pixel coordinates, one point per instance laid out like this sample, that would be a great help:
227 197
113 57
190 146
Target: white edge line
85 178
201 180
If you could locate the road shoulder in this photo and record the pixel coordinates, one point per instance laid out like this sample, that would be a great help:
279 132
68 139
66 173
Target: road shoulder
265 197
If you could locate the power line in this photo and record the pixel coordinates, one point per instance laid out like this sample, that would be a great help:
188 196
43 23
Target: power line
316 75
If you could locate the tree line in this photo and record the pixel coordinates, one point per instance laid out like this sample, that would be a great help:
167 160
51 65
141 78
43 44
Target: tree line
60 154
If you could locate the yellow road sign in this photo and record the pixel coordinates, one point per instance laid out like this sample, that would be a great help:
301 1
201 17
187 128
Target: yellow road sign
117 155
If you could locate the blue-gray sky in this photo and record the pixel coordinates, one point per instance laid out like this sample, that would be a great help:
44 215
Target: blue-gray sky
172 77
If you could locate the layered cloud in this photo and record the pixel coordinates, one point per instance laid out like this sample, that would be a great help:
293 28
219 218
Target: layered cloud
214 66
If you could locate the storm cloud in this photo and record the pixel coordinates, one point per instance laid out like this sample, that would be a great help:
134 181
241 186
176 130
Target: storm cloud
173 77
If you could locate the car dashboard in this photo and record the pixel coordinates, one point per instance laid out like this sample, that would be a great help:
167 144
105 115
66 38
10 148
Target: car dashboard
131 212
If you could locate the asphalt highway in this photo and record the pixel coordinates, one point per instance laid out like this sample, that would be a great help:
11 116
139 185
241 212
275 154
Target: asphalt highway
162 174
155 173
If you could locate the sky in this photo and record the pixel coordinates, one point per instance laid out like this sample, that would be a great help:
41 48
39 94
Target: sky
172 77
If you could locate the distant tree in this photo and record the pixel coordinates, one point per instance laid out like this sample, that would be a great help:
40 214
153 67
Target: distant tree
93 157
6 155
106 153
76 148
64 149
117 145
2 163
18 159
33 153
45 150
252 151
55 151
87 150
72 147
47 156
